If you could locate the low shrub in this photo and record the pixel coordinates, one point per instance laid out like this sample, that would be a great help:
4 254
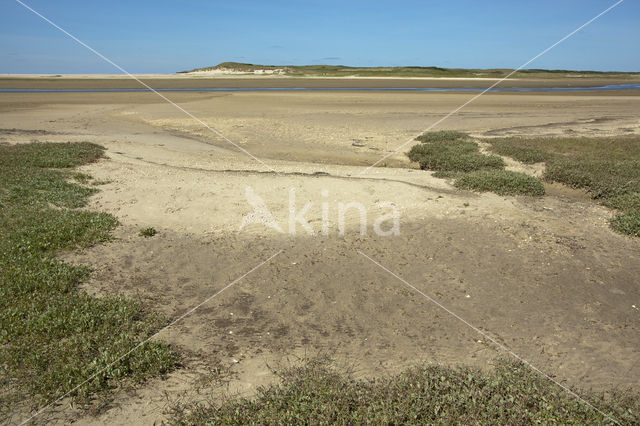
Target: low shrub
456 156
442 136
501 182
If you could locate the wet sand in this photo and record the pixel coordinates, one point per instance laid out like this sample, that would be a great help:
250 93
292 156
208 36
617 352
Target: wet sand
344 128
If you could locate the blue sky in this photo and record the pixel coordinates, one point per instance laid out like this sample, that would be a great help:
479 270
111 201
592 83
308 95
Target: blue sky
169 36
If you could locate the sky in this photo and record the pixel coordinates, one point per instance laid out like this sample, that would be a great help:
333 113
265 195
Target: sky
169 36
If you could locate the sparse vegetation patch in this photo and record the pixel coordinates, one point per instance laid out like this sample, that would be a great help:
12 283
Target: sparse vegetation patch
52 335
607 168
509 394
148 232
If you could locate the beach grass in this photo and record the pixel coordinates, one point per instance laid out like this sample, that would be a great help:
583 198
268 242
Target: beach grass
509 393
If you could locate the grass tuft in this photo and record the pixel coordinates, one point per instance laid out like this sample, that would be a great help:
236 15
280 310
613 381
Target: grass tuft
317 394
501 182
53 336
147 232
627 202
627 223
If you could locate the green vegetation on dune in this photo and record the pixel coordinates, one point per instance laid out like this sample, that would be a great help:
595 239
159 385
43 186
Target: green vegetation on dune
509 394
52 335
346 71
407 71
607 168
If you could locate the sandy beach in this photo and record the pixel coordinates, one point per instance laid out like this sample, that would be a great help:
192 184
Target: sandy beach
199 81
545 276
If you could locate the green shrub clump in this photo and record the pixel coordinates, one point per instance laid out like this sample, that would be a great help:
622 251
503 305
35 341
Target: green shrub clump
442 136
453 156
501 182
607 168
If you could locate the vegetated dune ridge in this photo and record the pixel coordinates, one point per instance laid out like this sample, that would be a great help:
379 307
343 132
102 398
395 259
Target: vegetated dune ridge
238 68
546 277
247 76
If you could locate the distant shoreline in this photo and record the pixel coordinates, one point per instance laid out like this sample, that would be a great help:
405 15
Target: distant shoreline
609 88
186 81
207 76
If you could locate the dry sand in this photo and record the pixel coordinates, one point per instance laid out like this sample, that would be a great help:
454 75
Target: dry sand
546 277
